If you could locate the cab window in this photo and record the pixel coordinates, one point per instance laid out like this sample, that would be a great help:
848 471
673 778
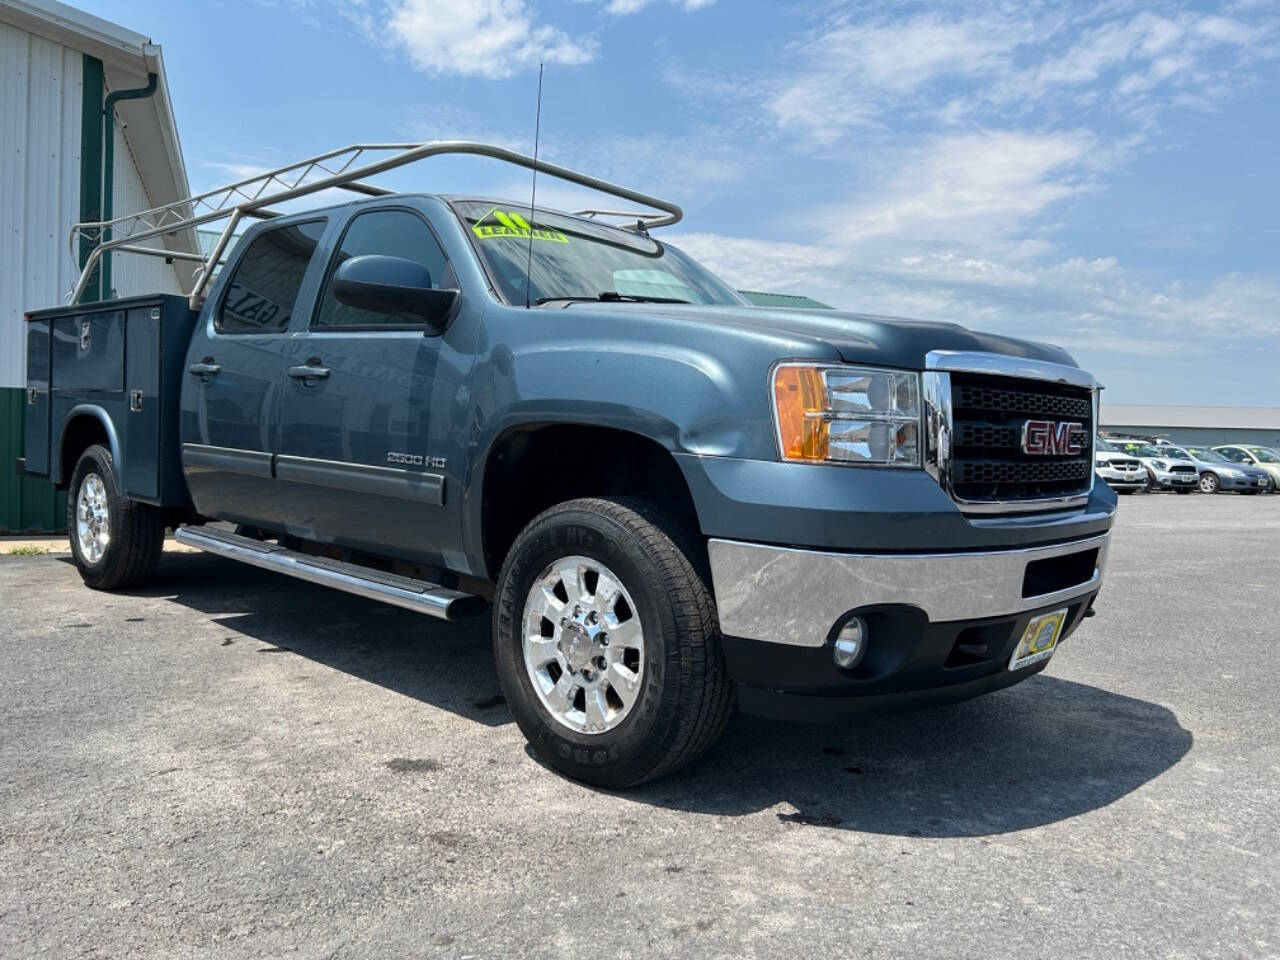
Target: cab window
263 291
392 233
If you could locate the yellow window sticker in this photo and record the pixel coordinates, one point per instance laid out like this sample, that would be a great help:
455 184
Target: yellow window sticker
510 223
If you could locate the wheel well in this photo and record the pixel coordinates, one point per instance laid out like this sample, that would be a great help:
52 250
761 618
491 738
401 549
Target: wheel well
82 432
533 468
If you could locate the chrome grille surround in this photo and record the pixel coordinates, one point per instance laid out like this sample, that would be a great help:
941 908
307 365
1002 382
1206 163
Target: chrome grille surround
939 429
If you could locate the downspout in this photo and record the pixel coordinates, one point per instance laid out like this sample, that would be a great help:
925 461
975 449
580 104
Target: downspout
109 166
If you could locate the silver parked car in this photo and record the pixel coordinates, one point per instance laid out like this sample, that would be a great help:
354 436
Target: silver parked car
1164 471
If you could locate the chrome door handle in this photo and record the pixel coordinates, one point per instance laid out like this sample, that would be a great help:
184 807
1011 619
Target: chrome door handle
311 370
205 369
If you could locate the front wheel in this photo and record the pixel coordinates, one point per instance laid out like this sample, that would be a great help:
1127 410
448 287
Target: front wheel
116 542
1209 483
607 644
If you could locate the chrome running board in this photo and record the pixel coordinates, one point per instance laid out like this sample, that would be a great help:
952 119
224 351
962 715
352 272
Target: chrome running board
417 595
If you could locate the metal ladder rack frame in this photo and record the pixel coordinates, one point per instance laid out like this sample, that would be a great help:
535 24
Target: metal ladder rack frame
340 168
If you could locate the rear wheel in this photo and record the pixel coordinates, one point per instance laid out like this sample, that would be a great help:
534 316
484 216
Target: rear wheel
116 543
607 644
1209 483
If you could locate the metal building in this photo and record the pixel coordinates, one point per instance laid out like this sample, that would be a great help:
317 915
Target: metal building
792 301
86 133
1203 425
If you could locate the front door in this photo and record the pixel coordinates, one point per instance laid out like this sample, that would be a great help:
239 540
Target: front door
374 406
235 373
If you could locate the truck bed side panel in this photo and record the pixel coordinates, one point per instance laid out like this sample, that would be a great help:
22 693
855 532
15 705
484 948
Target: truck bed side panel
121 363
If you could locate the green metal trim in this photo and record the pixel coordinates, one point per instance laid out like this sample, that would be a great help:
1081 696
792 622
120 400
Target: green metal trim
91 163
27 504
109 164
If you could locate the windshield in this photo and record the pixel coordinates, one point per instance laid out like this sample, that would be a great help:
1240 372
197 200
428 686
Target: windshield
574 258
1103 445
1209 456
1174 453
1265 454
1146 450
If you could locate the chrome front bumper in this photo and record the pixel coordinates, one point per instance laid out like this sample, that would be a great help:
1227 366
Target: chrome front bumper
792 596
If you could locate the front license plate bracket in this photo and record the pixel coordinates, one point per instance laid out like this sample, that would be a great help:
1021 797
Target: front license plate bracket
1039 640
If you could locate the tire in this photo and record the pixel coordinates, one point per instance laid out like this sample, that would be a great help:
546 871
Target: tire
128 554
682 694
1209 483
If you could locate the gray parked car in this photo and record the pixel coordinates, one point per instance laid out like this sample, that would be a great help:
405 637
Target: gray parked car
1218 473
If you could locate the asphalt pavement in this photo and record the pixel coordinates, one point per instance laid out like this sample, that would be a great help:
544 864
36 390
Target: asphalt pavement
235 764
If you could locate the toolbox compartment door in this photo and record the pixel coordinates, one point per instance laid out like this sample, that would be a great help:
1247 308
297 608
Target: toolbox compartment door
143 344
88 352
36 407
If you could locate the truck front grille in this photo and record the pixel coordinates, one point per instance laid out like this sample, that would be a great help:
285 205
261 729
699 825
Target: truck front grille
975 436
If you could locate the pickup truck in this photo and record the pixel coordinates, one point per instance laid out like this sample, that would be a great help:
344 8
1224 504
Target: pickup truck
671 504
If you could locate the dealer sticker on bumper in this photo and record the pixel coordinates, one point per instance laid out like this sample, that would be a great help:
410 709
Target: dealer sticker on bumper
1039 639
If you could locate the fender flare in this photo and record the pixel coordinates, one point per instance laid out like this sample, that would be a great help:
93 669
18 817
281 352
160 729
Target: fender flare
113 441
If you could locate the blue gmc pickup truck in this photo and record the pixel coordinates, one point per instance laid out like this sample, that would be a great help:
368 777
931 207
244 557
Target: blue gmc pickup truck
673 504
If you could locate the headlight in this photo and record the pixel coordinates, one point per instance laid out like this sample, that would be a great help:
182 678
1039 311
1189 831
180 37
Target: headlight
839 414
1160 464
1233 474
1103 463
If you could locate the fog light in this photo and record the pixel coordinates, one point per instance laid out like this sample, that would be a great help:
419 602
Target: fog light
851 643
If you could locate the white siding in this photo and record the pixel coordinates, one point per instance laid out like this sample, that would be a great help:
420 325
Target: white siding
40 106
132 274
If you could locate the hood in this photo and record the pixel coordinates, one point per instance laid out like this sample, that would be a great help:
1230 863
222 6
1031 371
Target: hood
857 337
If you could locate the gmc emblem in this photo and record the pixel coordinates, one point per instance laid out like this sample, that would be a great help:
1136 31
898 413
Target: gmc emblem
1048 438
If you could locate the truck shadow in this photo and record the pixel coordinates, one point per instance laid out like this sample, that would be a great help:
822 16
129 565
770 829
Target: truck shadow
1043 751
448 665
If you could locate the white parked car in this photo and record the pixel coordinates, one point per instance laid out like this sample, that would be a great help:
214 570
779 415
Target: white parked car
1122 472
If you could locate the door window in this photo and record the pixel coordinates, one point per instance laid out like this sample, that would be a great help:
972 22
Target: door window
263 291
391 233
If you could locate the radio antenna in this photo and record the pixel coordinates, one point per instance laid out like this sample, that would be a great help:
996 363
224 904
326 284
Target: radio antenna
533 193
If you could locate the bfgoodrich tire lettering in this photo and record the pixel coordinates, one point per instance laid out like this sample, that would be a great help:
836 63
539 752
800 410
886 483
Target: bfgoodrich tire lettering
131 534
686 697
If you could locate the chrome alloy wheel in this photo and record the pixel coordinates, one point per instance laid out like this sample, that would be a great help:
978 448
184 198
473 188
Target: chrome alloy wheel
93 528
583 645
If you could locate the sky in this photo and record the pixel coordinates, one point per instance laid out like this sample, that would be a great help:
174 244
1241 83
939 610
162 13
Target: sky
1098 174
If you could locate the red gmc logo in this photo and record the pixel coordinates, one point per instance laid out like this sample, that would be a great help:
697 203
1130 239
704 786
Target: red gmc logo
1048 438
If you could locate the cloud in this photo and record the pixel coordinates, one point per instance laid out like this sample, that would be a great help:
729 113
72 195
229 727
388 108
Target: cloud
974 188
623 8
483 38
855 73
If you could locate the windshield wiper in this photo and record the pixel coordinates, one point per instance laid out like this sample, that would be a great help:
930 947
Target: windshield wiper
612 296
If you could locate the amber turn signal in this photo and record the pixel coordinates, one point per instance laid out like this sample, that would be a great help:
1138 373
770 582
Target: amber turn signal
800 397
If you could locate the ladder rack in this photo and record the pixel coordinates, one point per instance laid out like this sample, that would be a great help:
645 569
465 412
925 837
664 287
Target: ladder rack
345 168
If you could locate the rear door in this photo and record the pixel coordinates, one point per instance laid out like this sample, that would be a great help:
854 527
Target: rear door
374 405
235 373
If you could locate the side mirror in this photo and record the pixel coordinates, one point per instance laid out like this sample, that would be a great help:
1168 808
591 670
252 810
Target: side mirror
393 285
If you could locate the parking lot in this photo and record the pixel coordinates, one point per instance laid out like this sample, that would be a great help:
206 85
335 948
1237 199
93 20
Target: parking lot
236 764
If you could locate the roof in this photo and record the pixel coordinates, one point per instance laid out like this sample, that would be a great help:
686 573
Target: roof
1185 415
793 301
127 58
